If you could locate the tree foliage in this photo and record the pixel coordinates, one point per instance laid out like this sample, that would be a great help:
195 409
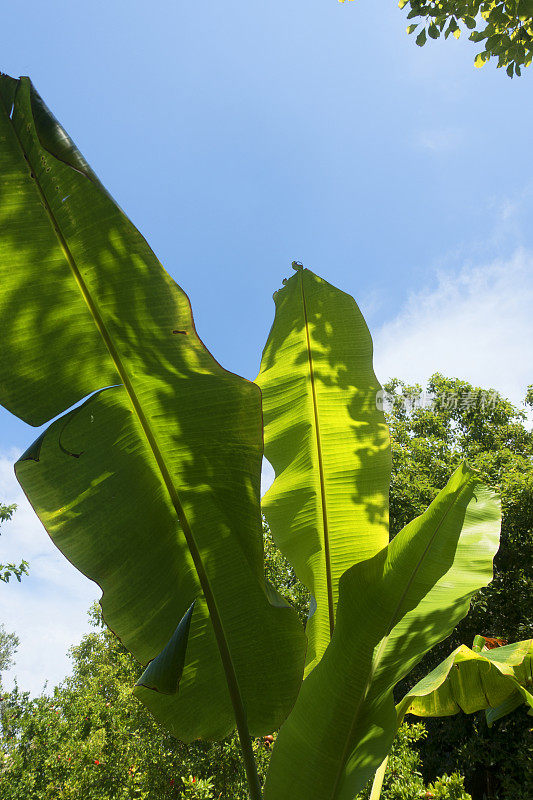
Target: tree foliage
404 780
92 739
504 27
11 569
432 430
9 643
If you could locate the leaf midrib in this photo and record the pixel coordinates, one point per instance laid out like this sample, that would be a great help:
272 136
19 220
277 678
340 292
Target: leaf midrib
325 522
227 662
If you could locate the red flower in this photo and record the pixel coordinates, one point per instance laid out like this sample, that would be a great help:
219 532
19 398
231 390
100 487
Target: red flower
96 761
194 780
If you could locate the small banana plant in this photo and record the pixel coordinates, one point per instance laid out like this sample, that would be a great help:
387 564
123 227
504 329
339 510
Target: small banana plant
489 677
147 478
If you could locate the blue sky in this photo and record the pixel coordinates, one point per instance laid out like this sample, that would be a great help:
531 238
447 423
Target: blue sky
242 136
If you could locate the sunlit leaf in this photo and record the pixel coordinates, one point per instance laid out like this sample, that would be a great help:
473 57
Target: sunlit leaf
392 609
327 441
151 487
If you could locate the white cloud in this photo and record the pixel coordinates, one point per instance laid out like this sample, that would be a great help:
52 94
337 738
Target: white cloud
476 324
48 609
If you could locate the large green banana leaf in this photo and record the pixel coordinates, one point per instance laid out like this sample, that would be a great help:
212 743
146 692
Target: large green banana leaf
327 441
469 681
151 487
392 609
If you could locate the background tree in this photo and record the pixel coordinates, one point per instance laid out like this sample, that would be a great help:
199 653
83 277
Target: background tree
9 642
432 431
92 739
8 646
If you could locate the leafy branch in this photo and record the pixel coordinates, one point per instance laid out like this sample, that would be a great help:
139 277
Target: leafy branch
11 569
504 26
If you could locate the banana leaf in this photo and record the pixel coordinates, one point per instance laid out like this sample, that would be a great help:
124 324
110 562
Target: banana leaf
327 441
392 609
523 693
151 486
471 681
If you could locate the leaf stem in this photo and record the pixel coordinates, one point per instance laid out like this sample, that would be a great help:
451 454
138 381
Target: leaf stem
254 786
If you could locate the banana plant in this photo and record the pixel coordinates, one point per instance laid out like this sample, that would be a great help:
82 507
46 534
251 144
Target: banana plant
148 477
151 486
378 607
469 680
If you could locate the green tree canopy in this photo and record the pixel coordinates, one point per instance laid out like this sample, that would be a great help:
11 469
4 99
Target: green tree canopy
92 739
433 430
